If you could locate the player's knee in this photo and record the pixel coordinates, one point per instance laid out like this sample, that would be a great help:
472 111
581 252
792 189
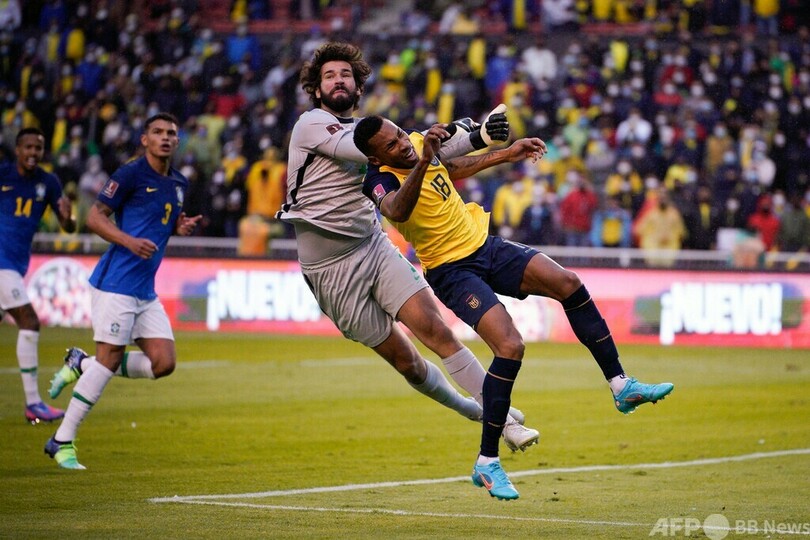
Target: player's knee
511 346
569 284
164 367
409 368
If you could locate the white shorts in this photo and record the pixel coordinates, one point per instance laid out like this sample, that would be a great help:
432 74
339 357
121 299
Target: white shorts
363 292
119 319
12 290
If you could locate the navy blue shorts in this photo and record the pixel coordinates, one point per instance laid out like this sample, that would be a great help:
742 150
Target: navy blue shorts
468 286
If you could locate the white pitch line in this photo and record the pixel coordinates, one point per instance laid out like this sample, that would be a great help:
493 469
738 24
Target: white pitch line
408 513
532 472
391 512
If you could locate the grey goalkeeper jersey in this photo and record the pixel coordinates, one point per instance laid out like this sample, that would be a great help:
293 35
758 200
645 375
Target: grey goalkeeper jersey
325 200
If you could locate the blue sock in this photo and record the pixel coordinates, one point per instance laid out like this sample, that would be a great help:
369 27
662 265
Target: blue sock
497 397
592 331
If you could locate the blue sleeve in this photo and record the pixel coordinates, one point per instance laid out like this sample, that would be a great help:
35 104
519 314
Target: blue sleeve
118 188
378 184
54 193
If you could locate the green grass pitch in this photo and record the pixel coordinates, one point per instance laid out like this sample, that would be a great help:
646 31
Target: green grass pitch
318 438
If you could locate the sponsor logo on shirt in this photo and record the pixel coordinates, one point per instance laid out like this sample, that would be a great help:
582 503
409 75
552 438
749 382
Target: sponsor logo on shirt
334 128
110 188
151 189
8 188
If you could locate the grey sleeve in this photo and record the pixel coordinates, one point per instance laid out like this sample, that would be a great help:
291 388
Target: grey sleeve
324 135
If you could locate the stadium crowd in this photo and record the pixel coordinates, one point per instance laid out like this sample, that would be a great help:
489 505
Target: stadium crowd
665 121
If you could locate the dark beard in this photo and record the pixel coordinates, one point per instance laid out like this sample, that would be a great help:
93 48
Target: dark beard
343 102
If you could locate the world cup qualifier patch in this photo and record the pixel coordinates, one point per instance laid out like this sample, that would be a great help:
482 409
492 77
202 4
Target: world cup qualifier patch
378 193
110 188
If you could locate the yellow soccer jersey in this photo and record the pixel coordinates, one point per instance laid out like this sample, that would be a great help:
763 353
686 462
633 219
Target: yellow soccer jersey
441 228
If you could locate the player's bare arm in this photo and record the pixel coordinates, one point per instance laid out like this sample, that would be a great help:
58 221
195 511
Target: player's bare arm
65 214
98 221
464 166
185 225
398 205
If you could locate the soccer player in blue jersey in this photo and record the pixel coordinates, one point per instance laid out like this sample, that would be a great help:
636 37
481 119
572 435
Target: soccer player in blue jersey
146 195
466 267
26 191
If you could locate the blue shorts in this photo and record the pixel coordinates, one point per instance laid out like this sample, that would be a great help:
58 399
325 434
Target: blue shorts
468 287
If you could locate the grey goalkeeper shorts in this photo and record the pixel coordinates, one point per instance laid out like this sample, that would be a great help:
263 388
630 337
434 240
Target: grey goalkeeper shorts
363 291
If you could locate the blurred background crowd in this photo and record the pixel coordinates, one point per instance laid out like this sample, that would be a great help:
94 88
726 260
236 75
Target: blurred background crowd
666 120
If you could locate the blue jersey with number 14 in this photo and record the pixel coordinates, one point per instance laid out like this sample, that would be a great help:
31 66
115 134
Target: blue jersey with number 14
23 200
146 204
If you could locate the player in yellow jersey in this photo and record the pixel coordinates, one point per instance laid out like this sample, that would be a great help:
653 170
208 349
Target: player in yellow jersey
467 268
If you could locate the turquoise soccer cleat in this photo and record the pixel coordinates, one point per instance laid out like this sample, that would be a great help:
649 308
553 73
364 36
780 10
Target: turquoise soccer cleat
636 393
494 478
69 373
64 454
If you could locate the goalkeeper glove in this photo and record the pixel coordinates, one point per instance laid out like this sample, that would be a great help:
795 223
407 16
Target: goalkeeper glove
494 130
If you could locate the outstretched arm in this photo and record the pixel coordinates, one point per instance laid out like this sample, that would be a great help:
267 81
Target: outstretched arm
464 166
466 135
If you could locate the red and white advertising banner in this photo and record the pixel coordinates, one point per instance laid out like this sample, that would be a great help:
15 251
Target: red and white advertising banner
641 306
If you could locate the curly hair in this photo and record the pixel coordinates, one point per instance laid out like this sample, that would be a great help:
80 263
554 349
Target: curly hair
329 52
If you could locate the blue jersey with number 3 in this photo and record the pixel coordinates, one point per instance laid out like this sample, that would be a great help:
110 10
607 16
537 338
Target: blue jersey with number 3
146 204
23 200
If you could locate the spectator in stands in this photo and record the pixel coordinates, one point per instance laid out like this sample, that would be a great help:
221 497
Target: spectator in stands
611 225
511 201
539 61
702 219
661 227
794 226
538 224
764 222
266 185
576 211
633 129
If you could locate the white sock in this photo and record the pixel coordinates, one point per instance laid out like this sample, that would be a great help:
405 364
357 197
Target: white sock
484 460
467 371
27 344
618 383
85 363
438 388
135 365
86 393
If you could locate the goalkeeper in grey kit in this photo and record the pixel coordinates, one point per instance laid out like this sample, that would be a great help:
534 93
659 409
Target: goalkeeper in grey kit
360 280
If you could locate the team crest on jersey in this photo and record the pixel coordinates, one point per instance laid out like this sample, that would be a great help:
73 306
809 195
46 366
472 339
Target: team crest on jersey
334 128
115 328
40 191
473 301
179 192
110 188
435 161
378 193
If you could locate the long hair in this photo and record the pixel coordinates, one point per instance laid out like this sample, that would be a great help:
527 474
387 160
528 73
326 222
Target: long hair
329 52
